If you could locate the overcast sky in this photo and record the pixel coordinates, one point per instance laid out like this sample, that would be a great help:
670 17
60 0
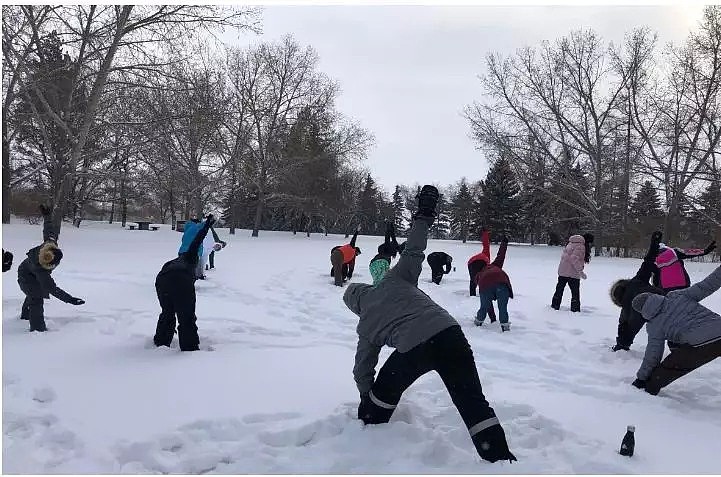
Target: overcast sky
406 72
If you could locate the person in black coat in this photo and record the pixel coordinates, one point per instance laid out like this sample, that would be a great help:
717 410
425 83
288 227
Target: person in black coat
35 280
440 263
7 260
624 291
175 286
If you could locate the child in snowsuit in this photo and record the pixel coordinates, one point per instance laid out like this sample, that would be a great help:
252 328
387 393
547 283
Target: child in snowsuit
425 337
35 280
175 286
624 291
671 273
679 318
476 264
494 284
7 260
211 258
570 270
342 259
440 263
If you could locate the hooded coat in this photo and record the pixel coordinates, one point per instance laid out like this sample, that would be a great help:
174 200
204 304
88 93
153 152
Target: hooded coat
34 273
678 317
395 312
572 259
493 275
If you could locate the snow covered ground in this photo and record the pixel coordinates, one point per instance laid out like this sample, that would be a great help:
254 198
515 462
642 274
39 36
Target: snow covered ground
272 390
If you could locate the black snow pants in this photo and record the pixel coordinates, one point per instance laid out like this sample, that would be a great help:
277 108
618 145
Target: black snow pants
34 311
449 354
176 293
575 285
680 362
211 260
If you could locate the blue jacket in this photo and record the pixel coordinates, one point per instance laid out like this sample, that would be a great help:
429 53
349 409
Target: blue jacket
191 230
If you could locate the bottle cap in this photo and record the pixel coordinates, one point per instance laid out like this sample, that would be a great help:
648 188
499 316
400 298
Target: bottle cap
632 428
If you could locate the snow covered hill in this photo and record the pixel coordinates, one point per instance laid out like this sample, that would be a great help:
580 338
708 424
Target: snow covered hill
272 390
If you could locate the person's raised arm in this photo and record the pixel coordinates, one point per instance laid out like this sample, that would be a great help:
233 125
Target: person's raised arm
501 254
355 236
645 272
199 237
704 288
411 262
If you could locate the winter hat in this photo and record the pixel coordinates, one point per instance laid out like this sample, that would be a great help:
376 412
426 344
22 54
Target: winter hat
49 255
353 295
588 238
618 290
648 305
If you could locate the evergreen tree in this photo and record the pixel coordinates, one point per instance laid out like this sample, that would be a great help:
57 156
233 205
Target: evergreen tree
398 208
710 204
441 226
369 213
646 203
461 212
499 203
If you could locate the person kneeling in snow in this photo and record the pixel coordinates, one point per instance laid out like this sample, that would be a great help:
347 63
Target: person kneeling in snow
679 318
494 284
624 291
34 276
175 285
426 337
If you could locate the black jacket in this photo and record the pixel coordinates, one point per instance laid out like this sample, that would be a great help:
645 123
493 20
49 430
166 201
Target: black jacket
184 265
440 259
34 277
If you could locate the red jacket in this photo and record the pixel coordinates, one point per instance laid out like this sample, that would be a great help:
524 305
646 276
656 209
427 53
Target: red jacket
493 275
348 253
485 254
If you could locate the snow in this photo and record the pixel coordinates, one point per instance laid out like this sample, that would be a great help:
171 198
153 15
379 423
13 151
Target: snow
272 391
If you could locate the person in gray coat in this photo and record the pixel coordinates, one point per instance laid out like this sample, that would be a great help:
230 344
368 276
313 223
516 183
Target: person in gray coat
694 330
426 338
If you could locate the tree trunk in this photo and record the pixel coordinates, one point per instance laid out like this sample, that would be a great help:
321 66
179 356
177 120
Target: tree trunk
258 214
123 202
112 212
6 173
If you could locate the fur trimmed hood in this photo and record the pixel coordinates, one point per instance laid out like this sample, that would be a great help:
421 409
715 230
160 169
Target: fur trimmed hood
618 289
49 255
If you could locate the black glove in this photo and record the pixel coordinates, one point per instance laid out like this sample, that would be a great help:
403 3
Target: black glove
504 240
656 237
711 247
44 209
76 301
7 260
427 201
492 446
210 219
639 383
223 243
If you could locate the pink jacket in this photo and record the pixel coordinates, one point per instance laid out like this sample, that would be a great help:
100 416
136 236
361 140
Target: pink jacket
572 263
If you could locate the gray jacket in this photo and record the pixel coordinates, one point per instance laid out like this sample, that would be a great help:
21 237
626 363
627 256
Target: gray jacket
395 312
678 317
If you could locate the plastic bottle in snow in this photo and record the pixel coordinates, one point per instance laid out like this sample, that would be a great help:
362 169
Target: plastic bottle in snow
629 442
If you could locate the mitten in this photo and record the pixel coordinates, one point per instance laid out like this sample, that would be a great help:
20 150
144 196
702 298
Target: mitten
656 237
583 275
44 209
639 383
491 444
77 301
427 201
504 240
